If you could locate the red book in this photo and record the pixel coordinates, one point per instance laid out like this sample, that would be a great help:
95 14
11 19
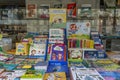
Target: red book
71 10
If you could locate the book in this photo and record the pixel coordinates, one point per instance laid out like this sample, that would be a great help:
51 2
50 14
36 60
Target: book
58 66
57 18
43 11
31 74
56 35
71 10
75 53
58 52
21 48
85 10
55 76
85 74
90 54
77 30
31 10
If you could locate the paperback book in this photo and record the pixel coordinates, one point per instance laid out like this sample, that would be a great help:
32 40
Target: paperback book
57 18
78 30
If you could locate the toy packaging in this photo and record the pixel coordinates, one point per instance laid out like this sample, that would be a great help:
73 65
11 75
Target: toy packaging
75 53
55 76
59 20
78 30
21 49
58 52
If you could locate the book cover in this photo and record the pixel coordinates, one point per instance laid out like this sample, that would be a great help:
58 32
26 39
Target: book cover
85 74
37 50
71 10
75 53
31 74
90 54
58 66
55 76
58 52
85 10
78 30
41 65
21 49
56 35
57 18
43 11
31 10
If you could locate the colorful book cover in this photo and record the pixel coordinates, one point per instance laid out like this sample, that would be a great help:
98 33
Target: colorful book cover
37 50
31 74
43 11
58 52
31 10
21 49
58 66
71 10
75 53
55 76
56 35
78 30
90 54
57 18
85 74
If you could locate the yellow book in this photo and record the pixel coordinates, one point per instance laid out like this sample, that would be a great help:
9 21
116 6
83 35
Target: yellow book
27 66
55 76
91 44
87 43
21 49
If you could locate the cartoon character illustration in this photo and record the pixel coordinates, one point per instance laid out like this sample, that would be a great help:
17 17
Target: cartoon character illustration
59 56
33 52
73 28
53 56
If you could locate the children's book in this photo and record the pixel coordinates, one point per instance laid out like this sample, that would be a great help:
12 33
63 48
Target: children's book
58 66
78 30
85 10
55 76
31 75
37 50
85 74
57 18
58 52
31 10
71 10
56 35
43 11
21 49
75 53
90 54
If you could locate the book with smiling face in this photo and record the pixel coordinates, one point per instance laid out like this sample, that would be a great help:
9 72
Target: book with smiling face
57 18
